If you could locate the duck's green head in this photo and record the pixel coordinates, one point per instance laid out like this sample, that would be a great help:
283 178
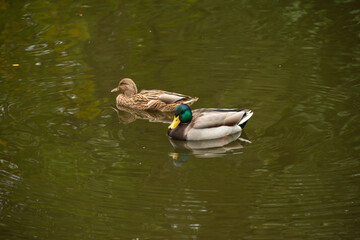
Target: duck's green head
182 115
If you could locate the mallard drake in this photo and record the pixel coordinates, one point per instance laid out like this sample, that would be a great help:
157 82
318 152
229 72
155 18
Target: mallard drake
207 123
149 99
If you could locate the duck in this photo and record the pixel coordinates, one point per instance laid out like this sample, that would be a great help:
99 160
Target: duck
157 100
206 123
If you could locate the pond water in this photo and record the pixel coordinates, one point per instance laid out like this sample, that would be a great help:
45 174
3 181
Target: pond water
74 167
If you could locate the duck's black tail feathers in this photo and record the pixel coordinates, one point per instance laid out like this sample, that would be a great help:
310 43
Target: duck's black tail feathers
245 118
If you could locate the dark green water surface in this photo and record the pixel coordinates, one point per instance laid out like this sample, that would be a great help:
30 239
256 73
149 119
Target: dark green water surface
71 167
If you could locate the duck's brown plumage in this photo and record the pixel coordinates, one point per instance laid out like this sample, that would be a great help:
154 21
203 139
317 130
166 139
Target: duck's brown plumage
149 99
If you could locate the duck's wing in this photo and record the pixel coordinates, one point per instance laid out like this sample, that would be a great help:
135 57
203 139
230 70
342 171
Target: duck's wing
211 118
164 96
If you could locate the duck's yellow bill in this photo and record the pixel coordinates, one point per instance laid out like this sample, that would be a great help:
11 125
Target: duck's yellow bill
175 123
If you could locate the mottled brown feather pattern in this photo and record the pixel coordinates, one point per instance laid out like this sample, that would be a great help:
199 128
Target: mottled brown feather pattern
149 99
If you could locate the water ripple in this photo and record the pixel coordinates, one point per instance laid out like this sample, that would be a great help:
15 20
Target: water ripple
38 49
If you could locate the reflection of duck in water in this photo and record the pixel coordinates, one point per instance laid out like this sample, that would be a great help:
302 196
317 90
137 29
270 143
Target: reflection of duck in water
157 100
128 115
207 123
206 148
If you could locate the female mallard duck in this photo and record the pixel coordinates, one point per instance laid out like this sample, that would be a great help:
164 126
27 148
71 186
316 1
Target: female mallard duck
149 99
207 123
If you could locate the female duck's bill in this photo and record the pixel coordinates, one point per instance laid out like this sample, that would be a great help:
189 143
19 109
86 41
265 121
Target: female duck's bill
206 123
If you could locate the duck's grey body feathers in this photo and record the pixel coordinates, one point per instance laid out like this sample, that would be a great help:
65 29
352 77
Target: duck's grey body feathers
210 123
210 118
